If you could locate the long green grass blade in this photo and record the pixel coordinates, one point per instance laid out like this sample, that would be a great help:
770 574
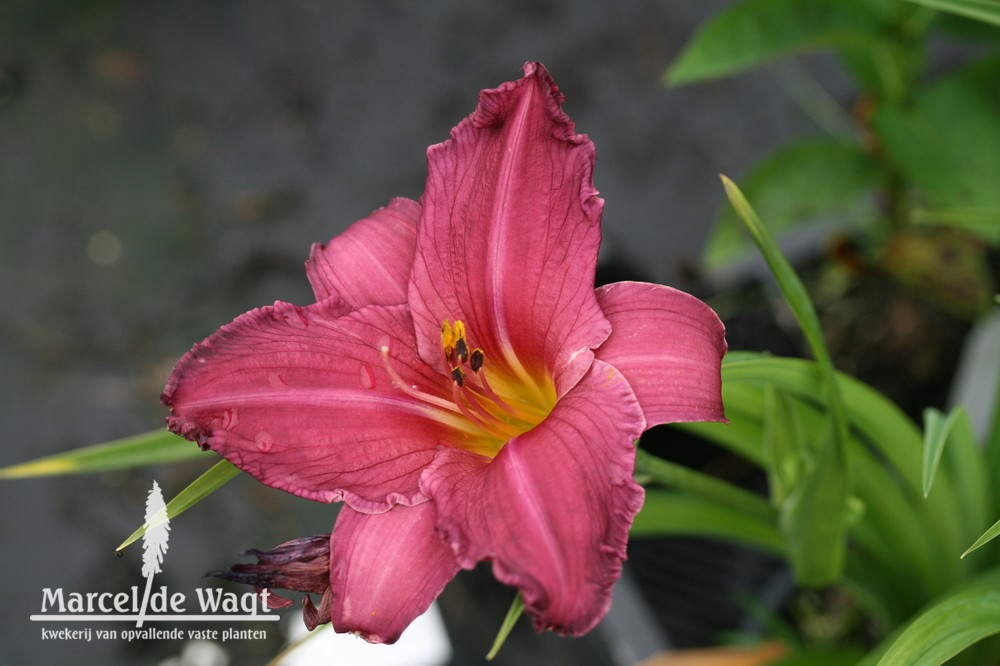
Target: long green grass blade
896 522
817 517
937 427
200 488
785 443
152 448
987 11
968 464
672 513
513 614
742 435
685 479
791 286
987 536
805 182
814 519
881 422
948 627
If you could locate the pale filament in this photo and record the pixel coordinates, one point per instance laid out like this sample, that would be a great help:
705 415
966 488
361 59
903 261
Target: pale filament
410 390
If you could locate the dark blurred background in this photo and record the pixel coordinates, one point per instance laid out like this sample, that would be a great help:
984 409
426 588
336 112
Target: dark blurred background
165 166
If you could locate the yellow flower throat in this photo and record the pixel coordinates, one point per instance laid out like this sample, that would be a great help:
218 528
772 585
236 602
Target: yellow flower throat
489 413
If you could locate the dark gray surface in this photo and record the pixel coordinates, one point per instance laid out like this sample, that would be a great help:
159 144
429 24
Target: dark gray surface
214 142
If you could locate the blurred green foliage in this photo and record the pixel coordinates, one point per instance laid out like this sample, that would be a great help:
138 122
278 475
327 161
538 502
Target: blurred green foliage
913 171
862 499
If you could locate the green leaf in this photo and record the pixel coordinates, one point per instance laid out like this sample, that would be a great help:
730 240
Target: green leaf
992 444
949 626
947 141
888 65
755 31
956 27
936 431
786 444
815 519
878 423
791 286
513 614
668 512
987 11
701 485
802 183
983 222
743 435
882 423
969 466
884 446
987 536
198 490
152 448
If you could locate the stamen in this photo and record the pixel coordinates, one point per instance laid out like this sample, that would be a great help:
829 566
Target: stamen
410 390
477 359
451 334
453 344
475 406
462 350
478 421
446 334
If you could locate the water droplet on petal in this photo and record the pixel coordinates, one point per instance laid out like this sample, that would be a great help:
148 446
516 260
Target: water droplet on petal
367 377
264 441
276 380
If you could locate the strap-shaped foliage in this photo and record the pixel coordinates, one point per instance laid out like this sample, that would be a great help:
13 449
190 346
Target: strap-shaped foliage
817 548
948 626
196 491
152 448
987 11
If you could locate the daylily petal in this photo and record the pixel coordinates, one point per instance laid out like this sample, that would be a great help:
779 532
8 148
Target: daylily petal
553 509
368 264
669 345
509 233
300 398
386 569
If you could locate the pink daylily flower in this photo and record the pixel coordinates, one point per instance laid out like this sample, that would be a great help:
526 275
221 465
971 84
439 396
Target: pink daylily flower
459 384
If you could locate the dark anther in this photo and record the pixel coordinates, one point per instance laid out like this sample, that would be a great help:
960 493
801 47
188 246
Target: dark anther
462 349
477 360
458 376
